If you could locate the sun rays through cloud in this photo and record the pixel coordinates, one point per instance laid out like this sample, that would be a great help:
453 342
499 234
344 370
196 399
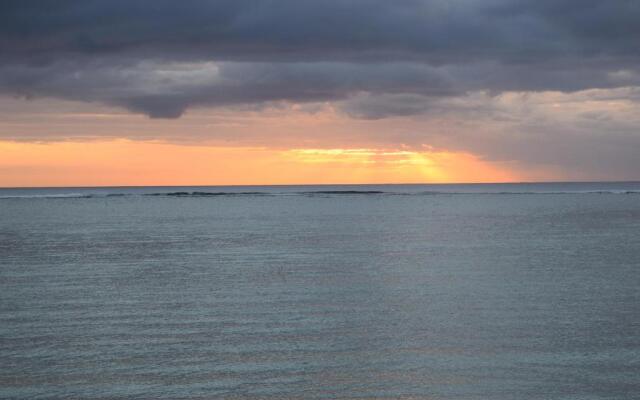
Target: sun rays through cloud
126 162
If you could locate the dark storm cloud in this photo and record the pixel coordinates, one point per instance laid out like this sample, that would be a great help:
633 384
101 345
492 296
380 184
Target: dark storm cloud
436 30
154 57
166 90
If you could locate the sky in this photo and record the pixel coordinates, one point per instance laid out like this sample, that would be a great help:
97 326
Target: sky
133 92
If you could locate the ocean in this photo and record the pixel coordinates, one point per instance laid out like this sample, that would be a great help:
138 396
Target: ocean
501 291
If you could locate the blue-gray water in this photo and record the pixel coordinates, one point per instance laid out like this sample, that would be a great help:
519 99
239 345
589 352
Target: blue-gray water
321 292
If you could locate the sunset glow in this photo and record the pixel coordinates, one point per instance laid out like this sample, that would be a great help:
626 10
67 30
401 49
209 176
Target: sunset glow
126 162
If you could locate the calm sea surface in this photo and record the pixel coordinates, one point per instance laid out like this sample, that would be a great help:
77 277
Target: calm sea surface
525 291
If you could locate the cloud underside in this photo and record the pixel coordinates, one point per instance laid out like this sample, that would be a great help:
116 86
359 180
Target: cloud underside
161 58
498 64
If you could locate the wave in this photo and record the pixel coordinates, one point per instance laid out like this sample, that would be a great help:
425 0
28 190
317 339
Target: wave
47 196
108 195
318 193
558 192
344 192
444 192
203 194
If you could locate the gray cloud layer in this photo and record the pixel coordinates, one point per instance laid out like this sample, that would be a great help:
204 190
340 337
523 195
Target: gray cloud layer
438 31
155 57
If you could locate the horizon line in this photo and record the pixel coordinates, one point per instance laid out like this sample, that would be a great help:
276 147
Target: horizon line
319 184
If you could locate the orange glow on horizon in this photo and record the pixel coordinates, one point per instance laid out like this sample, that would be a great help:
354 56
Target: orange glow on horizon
125 162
